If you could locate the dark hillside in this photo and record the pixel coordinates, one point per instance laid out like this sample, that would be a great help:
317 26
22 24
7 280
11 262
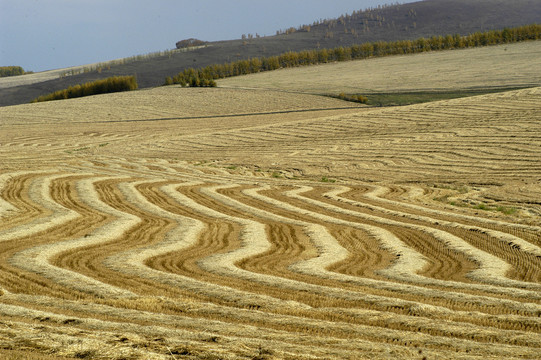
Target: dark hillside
425 19
397 22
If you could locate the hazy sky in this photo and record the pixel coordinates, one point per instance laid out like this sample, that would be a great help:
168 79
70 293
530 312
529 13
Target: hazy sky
48 34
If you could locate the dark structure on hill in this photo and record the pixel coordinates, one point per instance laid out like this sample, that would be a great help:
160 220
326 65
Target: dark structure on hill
396 22
188 43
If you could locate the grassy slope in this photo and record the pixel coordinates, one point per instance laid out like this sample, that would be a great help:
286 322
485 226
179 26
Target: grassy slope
408 21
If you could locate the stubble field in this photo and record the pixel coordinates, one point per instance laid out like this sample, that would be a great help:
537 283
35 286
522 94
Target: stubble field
232 224
511 65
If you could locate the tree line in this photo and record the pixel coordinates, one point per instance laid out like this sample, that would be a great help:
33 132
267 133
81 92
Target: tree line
206 76
6 71
109 85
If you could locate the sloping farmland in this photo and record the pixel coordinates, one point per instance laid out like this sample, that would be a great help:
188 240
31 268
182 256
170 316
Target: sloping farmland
234 224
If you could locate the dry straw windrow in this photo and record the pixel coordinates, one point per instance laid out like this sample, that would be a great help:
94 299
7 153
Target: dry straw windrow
221 267
226 263
492 269
443 235
310 235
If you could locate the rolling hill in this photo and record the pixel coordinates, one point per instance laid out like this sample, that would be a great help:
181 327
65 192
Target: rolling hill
503 66
206 223
264 220
406 21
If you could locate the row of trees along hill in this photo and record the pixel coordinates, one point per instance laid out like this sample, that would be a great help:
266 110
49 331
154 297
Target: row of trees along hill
206 76
109 85
6 71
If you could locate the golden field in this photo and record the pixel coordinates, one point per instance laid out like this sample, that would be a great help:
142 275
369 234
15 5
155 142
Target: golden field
262 224
511 65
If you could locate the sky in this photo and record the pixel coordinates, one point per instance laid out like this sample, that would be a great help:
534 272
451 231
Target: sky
51 34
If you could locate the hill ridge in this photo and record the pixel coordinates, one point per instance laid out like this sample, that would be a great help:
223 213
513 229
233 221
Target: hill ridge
431 17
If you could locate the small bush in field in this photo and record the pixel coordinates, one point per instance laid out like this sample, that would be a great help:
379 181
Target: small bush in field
109 85
12 71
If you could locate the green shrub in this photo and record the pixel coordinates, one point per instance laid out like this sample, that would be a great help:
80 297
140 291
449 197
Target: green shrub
109 85
354 98
482 206
11 71
326 179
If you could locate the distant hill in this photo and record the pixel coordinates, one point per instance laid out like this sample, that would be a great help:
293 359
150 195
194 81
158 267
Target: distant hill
396 22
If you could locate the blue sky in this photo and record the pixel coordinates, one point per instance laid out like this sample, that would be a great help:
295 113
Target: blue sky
49 34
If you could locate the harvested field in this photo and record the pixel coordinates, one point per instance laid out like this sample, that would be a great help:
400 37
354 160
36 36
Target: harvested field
231 224
166 103
502 66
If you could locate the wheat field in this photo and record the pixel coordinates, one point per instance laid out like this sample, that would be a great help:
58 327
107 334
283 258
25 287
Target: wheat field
240 224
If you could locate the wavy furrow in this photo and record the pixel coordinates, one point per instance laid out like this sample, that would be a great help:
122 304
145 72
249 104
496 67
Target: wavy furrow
449 284
37 258
515 244
226 264
316 263
492 270
186 277
133 228
380 194
15 205
30 194
409 262
456 296
332 327
316 268
23 264
308 235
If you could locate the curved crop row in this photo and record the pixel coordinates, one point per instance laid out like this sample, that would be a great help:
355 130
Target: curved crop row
206 256
105 253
